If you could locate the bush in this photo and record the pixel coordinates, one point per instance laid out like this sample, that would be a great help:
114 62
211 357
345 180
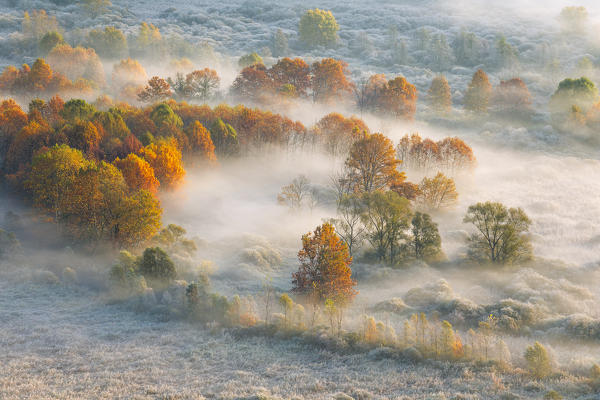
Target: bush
156 266
538 361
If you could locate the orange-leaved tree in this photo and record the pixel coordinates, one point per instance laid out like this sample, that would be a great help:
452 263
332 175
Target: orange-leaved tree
324 272
138 173
372 163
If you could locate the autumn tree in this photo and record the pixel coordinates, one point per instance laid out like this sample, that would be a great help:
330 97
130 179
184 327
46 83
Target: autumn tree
439 95
202 84
253 83
501 234
386 217
477 96
165 159
372 163
425 241
337 133
295 72
52 172
138 174
37 23
84 136
294 194
512 98
398 98
324 271
437 193
156 90
201 144
318 28
128 72
329 80
77 63
148 42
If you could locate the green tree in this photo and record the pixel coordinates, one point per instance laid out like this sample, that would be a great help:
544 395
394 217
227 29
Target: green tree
538 361
386 218
425 241
165 119
501 236
77 109
318 28
157 267
96 7
224 138
109 43
581 93
249 60
49 41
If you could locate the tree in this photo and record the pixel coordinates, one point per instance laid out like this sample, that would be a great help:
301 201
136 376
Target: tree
225 138
324 271
538 361
128 72
425 242
581 93
202 84
201 144
37 23
49 41
156 266
294 72
138 174
253 83
52 172
507 55
156 90
84 136
165 120
437 192
501 236
386 217
439 96
398 98
573 19
77 110
349 225
478 93
288 305
329 81
512 98
279 44
109 43
249 59
318 28
77 63
96 7
165 159
372 163
337 134
294 193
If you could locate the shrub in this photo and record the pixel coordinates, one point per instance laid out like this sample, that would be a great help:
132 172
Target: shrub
538 361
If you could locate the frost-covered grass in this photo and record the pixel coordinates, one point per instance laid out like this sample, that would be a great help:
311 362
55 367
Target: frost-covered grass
61 342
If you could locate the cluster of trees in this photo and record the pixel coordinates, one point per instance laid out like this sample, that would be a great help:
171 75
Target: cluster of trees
325 81
41 80
449 155
510 98
576 104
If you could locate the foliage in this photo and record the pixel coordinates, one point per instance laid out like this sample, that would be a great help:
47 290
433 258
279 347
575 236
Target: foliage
425 242
109 43
224 138
581 93
439 95
501 236
49 41
478 93
437 193
372 163
249 60
294 194
318 28
324 271
155 91
538 361
156 266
